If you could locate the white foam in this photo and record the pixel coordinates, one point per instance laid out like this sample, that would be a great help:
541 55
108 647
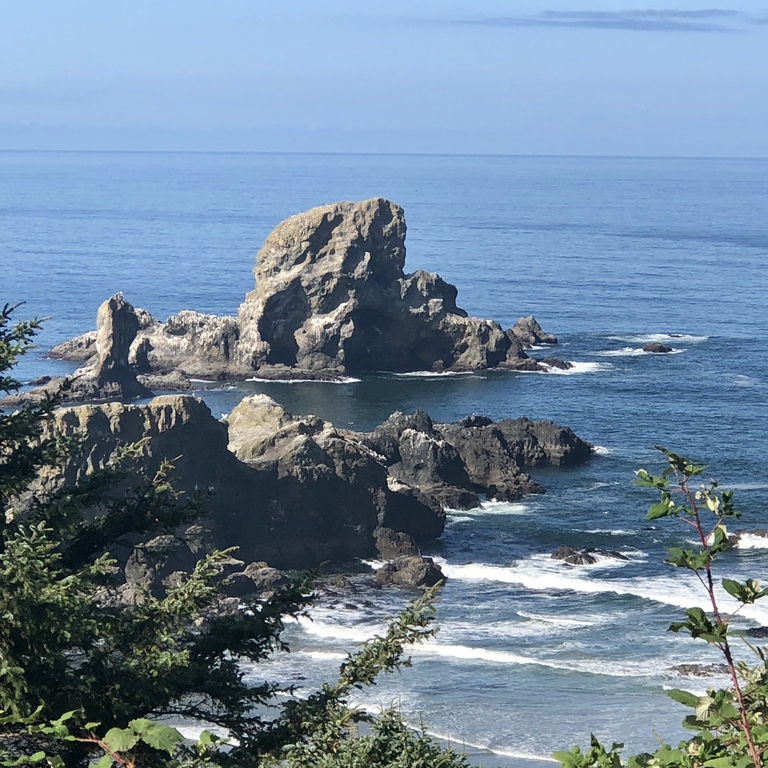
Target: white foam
562 621
601 450
501 751
332 631
431 374
341 380
577 368
453 519
751 541
203 381
612 532
595 666
635 352
660 338
192 732
493 507
542 574
324 655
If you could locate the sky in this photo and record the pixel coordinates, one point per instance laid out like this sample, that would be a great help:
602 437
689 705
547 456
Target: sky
587 77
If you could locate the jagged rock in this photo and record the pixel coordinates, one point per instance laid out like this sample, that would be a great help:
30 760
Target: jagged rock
530 333
452 463
294 491
176 381
556 362
574 556
761 632
489 462
328 470
78 349
255 580
584 555
331 297
392 544
291 513
658 349
410 571
700 670
108 374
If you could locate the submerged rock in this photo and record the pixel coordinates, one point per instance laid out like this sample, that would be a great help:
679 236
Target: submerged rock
700 670
585 555
656 348
331 298
413 571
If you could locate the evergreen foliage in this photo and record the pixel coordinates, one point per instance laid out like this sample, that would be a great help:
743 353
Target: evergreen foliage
87 679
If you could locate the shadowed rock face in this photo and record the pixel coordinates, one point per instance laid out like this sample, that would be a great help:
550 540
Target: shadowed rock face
295 491
331 297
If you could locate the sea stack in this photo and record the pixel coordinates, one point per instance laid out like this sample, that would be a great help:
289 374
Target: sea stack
331 297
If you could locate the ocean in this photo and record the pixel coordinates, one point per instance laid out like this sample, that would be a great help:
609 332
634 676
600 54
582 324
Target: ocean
608 253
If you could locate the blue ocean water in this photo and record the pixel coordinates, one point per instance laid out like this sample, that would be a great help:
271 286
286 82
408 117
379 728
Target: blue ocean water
607 253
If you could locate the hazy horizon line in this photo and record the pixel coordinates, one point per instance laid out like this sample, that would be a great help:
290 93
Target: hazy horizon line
382 154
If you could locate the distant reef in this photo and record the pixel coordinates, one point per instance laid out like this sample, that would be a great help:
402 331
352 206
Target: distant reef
331 299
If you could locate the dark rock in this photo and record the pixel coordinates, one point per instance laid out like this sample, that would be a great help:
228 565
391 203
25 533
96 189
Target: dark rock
329 474
556 362
574 556
392 544
177 381
295 492
658 349
410 571
760 632
331 297
585 555
257 580
700 670
530 333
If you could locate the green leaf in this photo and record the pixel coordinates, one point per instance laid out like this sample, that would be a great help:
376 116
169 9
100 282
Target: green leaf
161 737
104 762
120 739
683 697
720 762
568 759
733 588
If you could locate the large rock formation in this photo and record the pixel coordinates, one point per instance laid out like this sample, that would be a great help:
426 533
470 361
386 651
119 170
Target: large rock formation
294 491
331 298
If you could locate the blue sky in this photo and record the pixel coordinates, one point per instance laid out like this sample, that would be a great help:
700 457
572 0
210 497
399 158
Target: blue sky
454 76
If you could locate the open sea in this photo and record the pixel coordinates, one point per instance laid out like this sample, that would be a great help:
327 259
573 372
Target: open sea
607 253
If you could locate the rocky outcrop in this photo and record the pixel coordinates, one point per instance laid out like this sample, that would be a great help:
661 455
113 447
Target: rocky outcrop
455 464
331 298
585 555
108 374
410 571
657 349
295 492
530 333
330 475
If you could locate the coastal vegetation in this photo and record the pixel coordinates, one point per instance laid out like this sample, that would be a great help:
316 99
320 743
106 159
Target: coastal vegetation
730 724
87 677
